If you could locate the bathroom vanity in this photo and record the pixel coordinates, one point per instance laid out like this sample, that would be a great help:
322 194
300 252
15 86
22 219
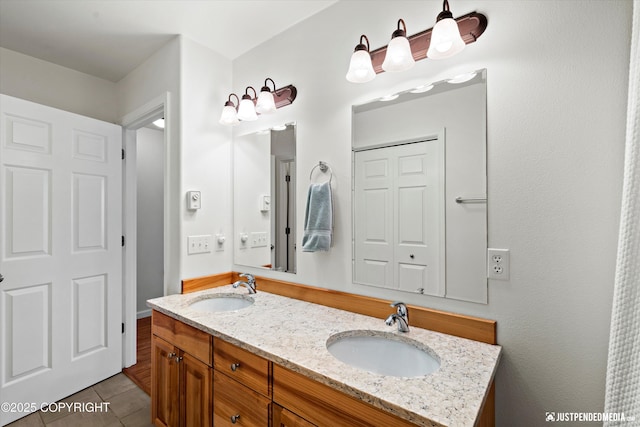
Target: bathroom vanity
267 364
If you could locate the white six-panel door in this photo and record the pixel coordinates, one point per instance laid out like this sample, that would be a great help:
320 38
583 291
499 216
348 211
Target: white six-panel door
60 253
399 217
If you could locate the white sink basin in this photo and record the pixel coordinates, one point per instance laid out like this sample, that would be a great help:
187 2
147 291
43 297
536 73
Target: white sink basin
383 353
222 302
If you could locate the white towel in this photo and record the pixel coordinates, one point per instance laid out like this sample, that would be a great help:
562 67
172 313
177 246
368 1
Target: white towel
623 366
318 218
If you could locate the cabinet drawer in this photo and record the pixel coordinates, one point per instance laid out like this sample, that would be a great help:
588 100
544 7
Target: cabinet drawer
243 366
323 405
187 338
232 399
284 418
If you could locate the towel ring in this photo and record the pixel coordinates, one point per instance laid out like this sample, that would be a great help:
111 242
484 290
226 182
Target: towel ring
324 168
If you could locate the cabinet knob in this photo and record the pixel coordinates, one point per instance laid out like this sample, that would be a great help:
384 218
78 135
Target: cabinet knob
179 359
235 418
412 256
171 355
235 366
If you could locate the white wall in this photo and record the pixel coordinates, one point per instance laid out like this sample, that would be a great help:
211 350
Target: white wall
205 155
556 117
49 84
150 231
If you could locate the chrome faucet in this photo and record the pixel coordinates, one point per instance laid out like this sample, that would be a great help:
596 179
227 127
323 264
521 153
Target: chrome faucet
401 316
250 284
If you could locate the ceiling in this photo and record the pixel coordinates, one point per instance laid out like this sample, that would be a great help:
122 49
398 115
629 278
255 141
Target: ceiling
110 38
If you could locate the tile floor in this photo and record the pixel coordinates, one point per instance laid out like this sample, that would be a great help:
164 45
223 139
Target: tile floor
128 406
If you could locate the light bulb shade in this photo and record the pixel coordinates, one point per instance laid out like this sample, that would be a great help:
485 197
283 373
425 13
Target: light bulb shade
246 110
445 40
265 104
398 56
229 117
360 67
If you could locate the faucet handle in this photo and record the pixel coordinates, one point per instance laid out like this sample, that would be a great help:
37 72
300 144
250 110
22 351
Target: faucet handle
401 308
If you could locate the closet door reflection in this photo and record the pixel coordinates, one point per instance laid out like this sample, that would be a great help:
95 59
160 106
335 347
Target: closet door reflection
283 225
264 199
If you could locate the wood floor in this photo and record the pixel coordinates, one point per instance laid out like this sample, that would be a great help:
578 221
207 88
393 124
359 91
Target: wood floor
140 373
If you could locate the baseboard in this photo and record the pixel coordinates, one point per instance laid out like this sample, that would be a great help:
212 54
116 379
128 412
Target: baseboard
142 314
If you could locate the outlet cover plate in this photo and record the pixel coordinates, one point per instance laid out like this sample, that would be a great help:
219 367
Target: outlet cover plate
498 264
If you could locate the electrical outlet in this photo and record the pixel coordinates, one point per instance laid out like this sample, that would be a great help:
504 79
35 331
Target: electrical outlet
498 264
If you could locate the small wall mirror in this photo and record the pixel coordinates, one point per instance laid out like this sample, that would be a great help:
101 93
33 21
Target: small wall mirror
264 199
419 191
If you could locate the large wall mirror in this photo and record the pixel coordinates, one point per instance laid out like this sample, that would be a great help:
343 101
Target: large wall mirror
264 199
419 190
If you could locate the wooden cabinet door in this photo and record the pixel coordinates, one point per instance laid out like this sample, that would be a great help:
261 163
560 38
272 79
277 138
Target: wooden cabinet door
195 392
164 384
285 418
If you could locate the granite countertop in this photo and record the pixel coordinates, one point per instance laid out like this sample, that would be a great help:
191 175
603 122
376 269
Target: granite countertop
294 333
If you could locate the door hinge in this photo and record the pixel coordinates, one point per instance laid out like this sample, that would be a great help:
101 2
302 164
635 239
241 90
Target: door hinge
287 230
287 178
123 241
123 154
123 328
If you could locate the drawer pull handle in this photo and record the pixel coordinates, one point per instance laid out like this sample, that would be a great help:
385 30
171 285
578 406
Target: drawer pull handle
234 367
235 418
171 355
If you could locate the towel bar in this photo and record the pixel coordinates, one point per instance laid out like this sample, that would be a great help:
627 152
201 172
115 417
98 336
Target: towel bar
471 200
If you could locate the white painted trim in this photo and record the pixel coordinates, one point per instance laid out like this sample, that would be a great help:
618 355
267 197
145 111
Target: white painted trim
129 253
157 107
144 313
142 116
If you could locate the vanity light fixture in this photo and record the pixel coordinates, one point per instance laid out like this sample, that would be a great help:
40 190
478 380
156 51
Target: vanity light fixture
247 108
470 28
229 116
398 56
266 104
445 36
360 67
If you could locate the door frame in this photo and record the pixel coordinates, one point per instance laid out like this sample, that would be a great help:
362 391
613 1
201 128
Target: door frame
140 117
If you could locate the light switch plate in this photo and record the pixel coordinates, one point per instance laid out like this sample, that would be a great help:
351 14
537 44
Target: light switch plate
258 239
199 244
